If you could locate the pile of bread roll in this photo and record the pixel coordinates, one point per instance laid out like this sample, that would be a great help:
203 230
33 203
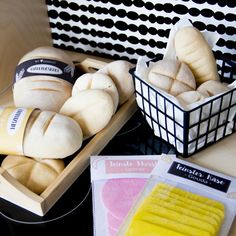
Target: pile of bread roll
193 75
66 113
96 96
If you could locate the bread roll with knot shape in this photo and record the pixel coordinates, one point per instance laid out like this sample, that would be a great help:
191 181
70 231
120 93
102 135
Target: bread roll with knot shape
119 72
97 81
35 174
92 109
51 135
172 76
192 48
46 91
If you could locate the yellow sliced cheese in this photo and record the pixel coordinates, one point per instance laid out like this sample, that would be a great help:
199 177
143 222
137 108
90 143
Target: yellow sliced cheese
181 218
190 195
191 208
142 228
169 210
170 224
173 212
186 200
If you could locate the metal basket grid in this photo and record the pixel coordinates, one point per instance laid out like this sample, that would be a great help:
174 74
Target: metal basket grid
189 130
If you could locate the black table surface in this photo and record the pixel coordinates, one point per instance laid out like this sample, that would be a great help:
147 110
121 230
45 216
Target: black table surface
73 212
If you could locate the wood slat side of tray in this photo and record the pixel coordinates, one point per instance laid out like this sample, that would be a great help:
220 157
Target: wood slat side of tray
94 147
13 191
90 65
87 61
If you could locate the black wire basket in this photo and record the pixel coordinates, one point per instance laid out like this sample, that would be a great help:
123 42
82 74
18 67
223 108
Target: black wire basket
191 130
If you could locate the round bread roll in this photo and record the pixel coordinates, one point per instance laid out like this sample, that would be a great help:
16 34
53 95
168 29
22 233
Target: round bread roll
97 81
51 135
40 90
119 72
212 87
193 49
35 174
190 97
92 109
171 76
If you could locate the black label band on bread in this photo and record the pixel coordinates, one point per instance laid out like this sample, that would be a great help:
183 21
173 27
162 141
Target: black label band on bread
48 67
13 123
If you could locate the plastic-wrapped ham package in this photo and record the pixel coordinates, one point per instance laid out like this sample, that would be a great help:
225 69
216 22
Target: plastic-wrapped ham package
182 198
116 184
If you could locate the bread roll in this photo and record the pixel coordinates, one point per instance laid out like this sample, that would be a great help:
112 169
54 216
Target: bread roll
211 88
92 109
51 135
192 49
97 81
47 52
190 97
119 72
40 84
44 93
35 174
171 76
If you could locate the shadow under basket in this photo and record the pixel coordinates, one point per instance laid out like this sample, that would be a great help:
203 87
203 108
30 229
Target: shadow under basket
189 131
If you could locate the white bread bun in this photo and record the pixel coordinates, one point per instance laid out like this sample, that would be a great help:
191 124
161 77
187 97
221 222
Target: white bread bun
193 49
51 135
97 81
190 97
172 76
35 174
42 91
119 72
92 109
212 88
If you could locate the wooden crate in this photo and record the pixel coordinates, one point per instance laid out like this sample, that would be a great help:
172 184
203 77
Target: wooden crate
24 26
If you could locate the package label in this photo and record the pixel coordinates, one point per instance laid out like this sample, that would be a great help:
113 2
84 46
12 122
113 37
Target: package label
199 176
129 166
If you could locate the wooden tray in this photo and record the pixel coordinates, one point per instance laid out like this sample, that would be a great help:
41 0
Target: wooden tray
11 190
24 27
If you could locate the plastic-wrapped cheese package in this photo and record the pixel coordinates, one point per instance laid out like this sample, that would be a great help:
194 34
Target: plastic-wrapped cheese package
180 199
116 183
